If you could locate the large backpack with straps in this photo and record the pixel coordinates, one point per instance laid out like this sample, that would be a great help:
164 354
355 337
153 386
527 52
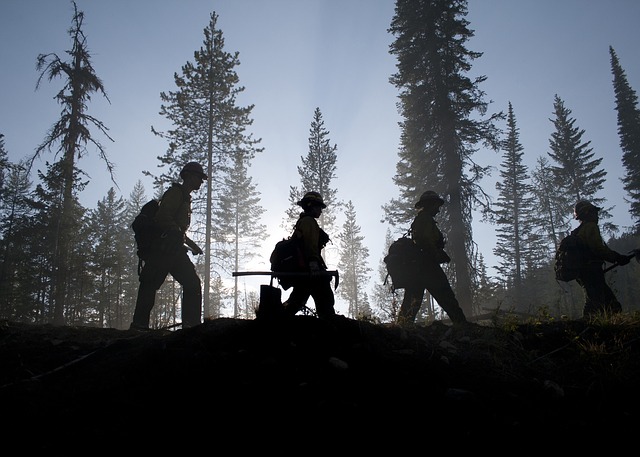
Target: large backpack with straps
145 230
288 257
403 263
570 257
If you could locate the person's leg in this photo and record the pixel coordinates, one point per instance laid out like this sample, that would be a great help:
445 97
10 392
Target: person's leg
440 289
151 278
612 305
411 303
610 302
593 285
144 304
184 271
297 298
323 298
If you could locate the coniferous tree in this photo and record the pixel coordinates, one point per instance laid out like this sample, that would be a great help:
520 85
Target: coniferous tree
353 265
485 292
71 134
385 300
629 133
211 128
317 171
16 212
4 166
241 218
48 200
577 174
550 203
137 198
440 130
514 209
109 261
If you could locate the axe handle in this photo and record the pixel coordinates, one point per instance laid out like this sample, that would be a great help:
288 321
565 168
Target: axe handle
284 273
635 253
273 274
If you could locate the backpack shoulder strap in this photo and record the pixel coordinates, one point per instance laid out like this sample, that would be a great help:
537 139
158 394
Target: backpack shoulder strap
185 195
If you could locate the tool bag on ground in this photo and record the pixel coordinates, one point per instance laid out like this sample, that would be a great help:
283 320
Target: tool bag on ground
403 263
570 257
270 305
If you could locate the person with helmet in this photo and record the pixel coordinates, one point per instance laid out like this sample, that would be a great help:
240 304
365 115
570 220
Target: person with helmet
598 295
169 253
428 237
313 240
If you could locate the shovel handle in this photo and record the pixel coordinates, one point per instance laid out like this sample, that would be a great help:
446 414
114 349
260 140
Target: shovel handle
635 253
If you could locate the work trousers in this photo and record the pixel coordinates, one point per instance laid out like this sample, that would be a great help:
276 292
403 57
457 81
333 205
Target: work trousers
319 288
153 274
434 279
599 298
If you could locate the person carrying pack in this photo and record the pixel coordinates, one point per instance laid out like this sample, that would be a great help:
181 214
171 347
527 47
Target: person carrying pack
168 253
429 238
312 240
599 297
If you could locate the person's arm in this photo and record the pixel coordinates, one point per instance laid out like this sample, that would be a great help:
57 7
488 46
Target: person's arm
590 233
193 245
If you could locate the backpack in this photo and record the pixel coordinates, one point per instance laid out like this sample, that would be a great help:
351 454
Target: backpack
287 257
570 257
145 230
403 263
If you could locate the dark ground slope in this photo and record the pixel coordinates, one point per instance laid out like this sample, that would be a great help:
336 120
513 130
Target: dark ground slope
71 388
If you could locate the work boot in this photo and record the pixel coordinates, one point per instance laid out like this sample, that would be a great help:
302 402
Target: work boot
457 316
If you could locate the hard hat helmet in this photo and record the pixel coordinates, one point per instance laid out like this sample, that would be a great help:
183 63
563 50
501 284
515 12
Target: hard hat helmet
584 207
195 168
429 196
312 198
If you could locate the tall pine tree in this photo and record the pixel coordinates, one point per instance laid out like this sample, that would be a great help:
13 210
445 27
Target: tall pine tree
317 172
211 128
629 133
577 173
353 265
241 216
514 210
442 110
71 134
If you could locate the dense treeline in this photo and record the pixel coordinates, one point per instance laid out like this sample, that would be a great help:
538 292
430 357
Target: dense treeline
66 264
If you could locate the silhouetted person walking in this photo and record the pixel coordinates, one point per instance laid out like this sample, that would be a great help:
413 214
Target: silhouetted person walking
598 295
313 240
169 253
429 239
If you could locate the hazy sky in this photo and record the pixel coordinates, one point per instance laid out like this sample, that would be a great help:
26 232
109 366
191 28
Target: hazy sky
299 55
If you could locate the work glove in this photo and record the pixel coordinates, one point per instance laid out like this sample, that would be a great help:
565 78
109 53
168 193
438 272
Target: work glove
196 250
623 259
